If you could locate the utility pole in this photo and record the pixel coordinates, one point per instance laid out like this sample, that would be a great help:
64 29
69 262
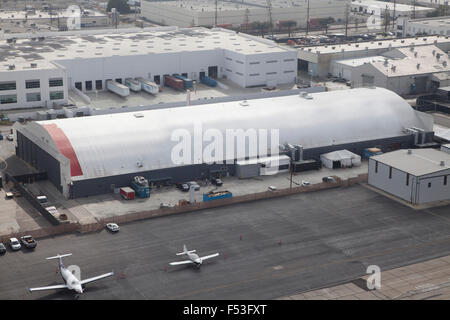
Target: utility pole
269 8
414 9
393 16
215 16
346 19
386 19
307 19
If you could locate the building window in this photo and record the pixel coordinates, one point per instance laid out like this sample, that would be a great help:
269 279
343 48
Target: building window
119 80
288 60
8 98
253 74
240 62
283 167
56 95
407 179
255 62
390 172
88 85
33 96
445 180
98 84
272 61
78 85
239 73
376 166
55 82
229 70
289 71
32 84
268 73
429 184
10 85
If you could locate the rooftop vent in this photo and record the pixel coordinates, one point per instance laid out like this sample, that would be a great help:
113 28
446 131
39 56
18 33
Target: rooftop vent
409 151
418 66
444 63
411 49
33 65
357 45
403 41
442 163
393 68
415 54
438 55
11 67
434 52
244 103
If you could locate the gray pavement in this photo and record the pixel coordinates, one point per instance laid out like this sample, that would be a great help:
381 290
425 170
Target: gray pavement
289 245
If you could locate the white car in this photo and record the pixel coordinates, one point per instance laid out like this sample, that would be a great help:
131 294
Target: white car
15 244
305 183
113 227
272 188
10 137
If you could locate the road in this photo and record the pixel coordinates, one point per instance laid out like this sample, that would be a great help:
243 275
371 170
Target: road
269 249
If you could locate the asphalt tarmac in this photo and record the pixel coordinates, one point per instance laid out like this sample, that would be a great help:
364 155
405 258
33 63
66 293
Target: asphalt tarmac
268 249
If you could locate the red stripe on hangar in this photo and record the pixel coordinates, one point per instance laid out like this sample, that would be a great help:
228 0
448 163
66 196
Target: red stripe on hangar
65 147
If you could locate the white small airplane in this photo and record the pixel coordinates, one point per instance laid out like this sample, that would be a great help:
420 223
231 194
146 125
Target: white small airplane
71 281
193 258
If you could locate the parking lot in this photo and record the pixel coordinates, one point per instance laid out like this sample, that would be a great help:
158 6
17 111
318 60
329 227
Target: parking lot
268 249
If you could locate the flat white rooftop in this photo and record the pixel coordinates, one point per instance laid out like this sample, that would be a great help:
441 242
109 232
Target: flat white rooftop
375 44
123 42
21 15
360 61
420 162
390 6
433 22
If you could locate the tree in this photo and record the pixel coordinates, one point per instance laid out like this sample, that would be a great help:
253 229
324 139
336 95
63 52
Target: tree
121 5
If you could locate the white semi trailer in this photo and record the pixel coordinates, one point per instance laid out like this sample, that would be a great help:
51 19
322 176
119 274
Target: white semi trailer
148 86
134 85
117 88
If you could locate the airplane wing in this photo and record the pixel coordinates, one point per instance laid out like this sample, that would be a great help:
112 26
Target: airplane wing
209 256
59 286
97 278
180 262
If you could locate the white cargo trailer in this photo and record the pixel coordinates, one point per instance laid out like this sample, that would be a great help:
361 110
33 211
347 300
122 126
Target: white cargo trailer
148 86
117 88
134 85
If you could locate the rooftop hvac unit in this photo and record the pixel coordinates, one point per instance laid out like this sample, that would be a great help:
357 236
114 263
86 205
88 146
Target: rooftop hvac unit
415 133
33 65
11 67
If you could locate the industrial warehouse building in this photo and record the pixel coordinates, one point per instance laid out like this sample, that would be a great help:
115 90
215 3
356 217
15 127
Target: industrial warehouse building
190 13
413 70
317 60
38 71
111 149
425 26
418 176
380 7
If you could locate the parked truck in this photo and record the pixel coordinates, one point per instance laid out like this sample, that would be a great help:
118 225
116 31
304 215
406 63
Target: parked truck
141 187
134 85
173 82
127 193
148 86
117 88
188 83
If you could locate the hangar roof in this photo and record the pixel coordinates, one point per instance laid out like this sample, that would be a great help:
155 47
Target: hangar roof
114 144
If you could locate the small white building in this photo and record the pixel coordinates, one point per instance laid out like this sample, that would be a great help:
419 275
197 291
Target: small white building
418 176
340 159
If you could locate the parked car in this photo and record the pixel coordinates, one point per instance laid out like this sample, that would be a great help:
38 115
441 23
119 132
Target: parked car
217 182
272 188
113 227
305 183
2 248
14 244
28 242
195 184
328 179
10 137
183 187
166 205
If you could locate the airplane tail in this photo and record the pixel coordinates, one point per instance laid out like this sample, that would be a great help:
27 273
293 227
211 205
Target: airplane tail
185 251
59 256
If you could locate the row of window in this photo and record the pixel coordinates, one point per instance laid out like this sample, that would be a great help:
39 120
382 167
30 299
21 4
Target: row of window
31 97
257 62
257 74
407 176
31 84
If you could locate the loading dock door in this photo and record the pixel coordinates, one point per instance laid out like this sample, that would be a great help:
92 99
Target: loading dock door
212 72
420 84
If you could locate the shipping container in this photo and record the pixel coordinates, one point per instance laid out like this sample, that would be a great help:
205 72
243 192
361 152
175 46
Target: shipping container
368 152
217 195
141 187
117 88
208 81
188 83
134 85
173 82
148 86
127 193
